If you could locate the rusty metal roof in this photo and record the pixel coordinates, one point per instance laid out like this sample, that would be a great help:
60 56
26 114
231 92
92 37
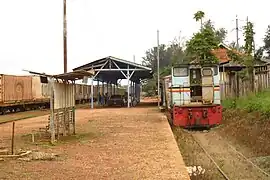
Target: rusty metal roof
75 75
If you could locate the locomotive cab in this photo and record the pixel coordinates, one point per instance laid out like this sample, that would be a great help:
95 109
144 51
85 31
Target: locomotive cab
194 97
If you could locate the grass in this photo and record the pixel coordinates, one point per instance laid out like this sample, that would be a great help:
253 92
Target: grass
259 102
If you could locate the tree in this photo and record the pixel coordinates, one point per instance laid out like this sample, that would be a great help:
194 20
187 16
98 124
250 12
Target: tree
249 48
169 55
200 46
232 45
220 33
267 41
150 59
198 16
249 38
258 54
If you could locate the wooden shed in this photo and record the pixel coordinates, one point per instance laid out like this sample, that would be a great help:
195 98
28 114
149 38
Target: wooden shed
62 101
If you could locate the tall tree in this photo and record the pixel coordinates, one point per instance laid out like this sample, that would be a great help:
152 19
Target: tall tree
220 33
267 42
198 16
200 46
150 58
258 53
249 49
169 55
249 38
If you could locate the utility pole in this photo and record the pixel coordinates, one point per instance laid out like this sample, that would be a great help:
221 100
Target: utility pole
237 33
158 85
65 35
134 58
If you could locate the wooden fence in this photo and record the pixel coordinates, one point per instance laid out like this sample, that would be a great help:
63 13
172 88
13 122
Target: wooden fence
235 86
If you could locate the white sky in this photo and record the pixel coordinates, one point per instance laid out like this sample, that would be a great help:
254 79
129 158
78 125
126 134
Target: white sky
31 34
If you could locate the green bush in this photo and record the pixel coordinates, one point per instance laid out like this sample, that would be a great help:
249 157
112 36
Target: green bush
259 102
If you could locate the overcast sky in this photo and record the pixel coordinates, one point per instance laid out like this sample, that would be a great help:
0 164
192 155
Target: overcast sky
31 31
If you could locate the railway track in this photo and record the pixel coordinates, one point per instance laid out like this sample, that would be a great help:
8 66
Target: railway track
222 171
210 157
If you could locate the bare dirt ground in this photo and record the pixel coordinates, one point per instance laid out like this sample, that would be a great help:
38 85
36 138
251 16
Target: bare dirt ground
113 143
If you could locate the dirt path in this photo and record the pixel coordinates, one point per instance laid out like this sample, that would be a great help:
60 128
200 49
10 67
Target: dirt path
133 143
235 166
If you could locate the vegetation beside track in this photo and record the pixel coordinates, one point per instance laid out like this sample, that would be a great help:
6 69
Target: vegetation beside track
259 102
245 125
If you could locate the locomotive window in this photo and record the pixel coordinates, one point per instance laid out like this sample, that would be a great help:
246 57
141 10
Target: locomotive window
215 70
207 72
180 72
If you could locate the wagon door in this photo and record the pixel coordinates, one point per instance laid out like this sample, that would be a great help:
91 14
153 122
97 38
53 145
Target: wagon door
207 85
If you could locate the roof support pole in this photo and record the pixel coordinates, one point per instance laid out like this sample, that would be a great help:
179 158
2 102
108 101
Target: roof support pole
128 78
52 129
73 109
131 93
111 88
98 92
135 91
107 87
103 88
115 88
133 88
128 87
92 93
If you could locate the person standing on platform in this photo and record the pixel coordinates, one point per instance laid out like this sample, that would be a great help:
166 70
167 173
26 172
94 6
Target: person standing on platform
99 98
106 98
102 99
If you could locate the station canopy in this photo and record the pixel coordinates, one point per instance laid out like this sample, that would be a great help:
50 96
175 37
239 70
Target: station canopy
110 69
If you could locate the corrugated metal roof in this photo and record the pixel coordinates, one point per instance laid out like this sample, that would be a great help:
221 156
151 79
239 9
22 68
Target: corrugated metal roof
114 68
102 60
75 75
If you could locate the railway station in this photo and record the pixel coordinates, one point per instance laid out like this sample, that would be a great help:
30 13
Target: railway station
110 70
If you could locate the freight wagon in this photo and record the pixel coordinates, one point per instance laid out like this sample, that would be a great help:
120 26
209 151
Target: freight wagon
21 93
